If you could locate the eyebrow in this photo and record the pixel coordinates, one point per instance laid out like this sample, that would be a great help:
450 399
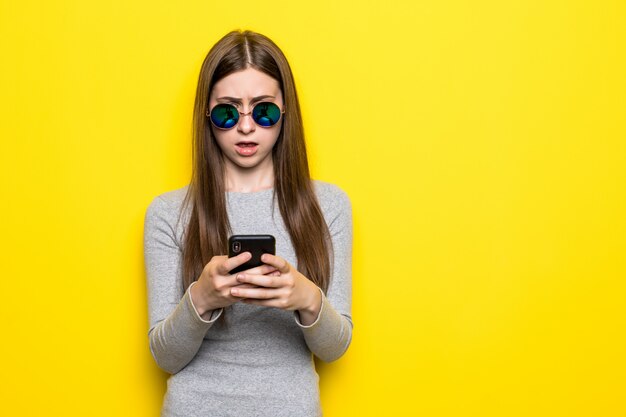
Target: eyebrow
238 100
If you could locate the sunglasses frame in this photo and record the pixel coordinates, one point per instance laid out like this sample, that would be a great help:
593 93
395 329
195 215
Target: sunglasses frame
242 114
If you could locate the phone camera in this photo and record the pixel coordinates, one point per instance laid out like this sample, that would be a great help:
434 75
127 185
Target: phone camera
236 247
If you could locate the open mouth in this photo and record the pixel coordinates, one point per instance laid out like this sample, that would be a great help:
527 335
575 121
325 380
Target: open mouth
246 148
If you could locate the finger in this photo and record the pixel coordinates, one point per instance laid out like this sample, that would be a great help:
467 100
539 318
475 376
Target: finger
232 282
238 285
261 270
255 293
276 261
272 302
260 280
231 263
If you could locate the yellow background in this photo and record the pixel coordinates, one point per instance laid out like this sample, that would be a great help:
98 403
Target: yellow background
482 144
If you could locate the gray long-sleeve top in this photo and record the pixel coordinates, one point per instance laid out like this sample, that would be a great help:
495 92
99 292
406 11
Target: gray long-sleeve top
260 361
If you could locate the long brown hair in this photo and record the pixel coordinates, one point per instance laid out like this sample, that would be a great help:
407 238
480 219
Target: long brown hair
208 228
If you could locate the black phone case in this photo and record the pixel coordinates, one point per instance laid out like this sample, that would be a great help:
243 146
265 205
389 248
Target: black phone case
257 245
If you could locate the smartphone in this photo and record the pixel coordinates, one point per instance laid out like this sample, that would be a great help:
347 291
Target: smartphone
257 245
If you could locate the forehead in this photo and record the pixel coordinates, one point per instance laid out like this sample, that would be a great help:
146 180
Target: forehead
246 84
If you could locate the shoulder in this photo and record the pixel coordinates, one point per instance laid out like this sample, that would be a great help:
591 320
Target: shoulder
330 193
333 200
174 198
167 205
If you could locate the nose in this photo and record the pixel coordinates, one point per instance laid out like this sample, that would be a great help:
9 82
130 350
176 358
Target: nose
246 124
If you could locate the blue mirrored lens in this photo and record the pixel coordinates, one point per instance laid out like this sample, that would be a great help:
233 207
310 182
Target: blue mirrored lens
266 114
224 116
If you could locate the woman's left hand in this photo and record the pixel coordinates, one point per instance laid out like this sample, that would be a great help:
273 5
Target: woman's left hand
287 290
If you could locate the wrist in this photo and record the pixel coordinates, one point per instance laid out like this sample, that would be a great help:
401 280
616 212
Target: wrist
315 301
309 313
197 300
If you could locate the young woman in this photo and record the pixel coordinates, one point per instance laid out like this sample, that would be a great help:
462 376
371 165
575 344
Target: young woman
243 344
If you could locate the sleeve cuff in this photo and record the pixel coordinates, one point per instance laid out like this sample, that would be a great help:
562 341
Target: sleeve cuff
297 315
215 314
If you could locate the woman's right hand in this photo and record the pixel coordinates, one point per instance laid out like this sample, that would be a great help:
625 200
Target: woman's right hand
212 289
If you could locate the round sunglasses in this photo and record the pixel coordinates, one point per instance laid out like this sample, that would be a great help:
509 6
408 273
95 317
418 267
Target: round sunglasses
226 116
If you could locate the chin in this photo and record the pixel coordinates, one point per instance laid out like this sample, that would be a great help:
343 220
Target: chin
247 162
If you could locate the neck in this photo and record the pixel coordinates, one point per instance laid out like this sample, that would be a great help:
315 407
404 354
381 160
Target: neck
249 180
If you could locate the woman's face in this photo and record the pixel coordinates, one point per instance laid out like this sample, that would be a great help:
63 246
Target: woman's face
247 145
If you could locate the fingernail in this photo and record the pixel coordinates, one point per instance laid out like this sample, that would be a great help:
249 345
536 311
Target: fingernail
234 291
240 277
